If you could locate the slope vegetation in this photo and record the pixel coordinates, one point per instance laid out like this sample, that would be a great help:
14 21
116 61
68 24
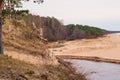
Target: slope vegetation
32 59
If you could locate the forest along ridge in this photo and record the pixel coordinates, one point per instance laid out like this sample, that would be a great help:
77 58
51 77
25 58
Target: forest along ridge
107 47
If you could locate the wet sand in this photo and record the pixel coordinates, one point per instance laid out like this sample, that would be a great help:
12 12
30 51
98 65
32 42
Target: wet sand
107 47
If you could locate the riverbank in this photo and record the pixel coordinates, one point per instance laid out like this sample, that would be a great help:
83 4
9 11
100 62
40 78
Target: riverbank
95 59
14 69
105 48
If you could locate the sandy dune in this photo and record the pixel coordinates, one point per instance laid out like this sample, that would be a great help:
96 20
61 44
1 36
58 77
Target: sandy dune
104 47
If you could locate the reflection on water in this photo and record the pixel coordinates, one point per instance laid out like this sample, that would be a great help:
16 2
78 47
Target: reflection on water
96 70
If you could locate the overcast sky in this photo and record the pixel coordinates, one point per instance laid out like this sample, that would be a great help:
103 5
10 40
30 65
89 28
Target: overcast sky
101 13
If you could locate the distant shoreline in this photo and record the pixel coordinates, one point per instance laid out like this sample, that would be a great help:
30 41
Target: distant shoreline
112 32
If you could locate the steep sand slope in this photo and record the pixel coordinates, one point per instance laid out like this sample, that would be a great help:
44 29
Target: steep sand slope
18 44
104 47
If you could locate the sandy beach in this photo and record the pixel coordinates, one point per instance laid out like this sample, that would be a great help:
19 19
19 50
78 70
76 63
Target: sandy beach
107 47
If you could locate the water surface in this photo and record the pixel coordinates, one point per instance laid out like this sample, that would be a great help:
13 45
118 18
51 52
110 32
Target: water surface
96 70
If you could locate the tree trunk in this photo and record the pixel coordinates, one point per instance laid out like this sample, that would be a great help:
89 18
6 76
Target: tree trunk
1 6
1 47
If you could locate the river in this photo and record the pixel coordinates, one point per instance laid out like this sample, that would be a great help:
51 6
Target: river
96 70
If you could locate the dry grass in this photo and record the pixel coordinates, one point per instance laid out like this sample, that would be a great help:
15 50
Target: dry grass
13 69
